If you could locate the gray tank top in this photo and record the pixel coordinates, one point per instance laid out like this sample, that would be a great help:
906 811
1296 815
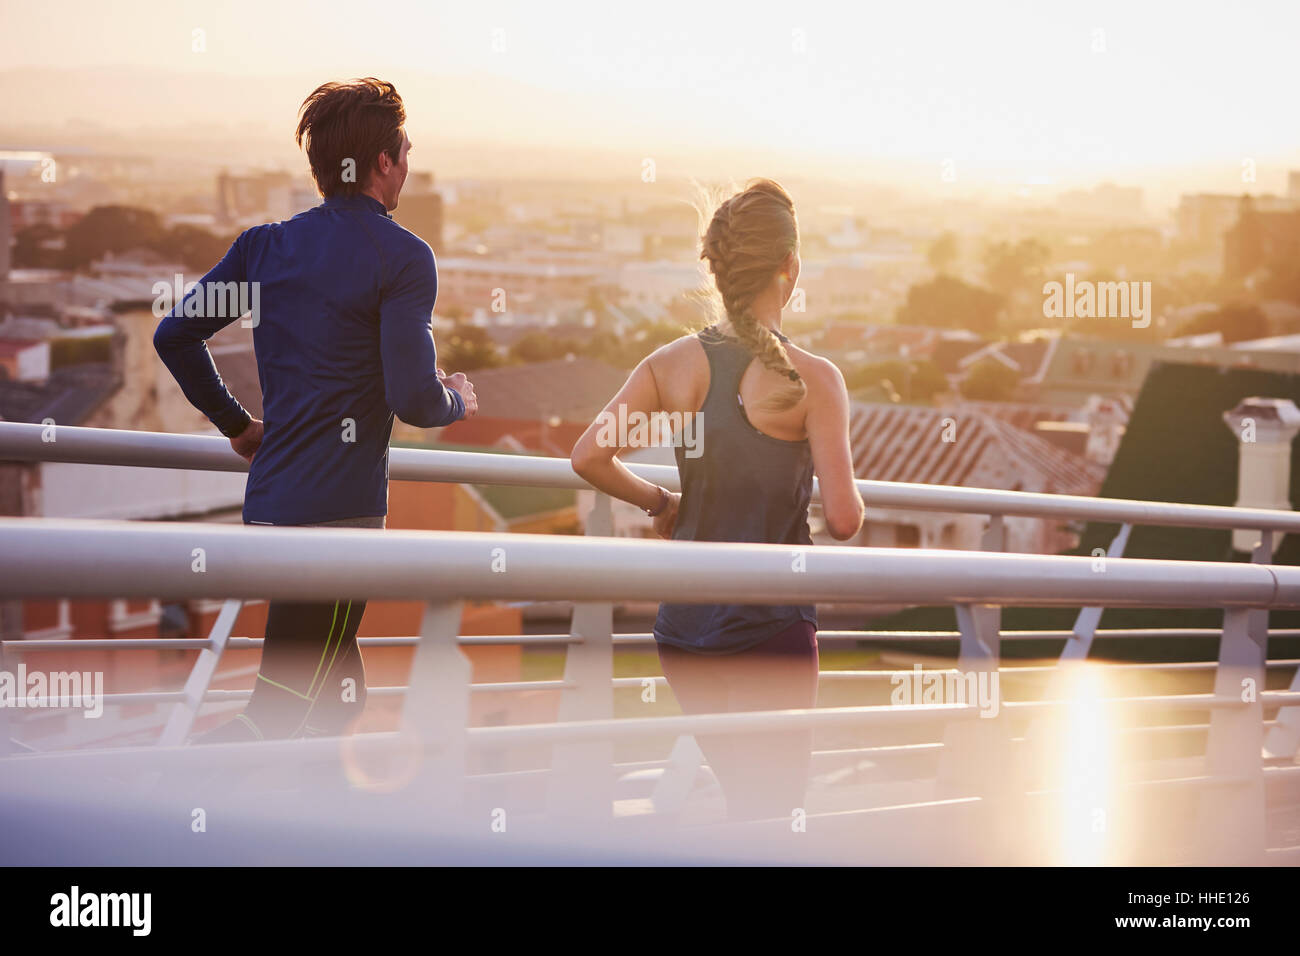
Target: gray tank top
745 486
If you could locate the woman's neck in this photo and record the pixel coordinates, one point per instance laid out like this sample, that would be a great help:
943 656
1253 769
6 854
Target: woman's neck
765 316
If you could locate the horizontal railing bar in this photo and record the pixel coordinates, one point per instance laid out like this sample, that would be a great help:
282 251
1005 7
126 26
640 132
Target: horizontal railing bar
248 643
1040 669
82 558
883 752
624 728
28 442
1269 698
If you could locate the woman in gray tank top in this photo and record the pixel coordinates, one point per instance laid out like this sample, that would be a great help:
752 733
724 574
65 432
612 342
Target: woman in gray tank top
767 416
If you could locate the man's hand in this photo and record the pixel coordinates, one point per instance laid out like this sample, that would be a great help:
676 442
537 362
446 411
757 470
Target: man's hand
248 441
459 383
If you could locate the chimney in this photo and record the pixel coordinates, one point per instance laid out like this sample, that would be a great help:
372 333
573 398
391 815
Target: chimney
1264 428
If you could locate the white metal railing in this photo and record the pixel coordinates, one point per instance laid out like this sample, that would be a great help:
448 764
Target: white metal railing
60 558
24 442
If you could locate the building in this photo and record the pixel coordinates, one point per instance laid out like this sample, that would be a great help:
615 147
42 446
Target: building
420 210
250 199
497 285
1106 201
965 448
1205 217
24 360
1260 239
1081 368
542 406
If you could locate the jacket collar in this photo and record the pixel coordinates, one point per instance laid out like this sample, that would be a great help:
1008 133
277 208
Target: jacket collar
359 201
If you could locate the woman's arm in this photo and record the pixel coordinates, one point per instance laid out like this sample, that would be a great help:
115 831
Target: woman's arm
594 455
828 436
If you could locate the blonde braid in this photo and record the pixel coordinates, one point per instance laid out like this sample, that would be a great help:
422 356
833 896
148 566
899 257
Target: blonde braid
747 240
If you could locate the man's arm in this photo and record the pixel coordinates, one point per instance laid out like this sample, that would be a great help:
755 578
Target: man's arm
181 342
412 386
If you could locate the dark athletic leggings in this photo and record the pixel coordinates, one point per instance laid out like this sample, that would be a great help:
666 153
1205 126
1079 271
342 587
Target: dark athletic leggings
763 775
311 681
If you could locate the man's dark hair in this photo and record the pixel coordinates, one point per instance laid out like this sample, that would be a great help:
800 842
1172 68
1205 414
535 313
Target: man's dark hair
356 121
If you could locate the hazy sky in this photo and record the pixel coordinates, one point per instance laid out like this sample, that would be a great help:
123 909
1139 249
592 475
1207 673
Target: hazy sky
1008 91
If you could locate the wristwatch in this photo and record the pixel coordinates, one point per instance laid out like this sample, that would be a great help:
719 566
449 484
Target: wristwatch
663 503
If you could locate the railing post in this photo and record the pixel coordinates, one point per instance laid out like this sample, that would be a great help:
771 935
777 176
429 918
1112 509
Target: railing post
1085 624
994 537
1232 808
181 720
976 757
1283 738
436 712
581 784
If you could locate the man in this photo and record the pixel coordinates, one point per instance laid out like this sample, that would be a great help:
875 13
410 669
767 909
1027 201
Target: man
343 298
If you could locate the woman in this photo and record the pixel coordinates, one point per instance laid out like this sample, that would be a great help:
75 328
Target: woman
770 416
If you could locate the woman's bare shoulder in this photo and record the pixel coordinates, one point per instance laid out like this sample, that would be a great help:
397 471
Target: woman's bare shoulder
682 352
821 374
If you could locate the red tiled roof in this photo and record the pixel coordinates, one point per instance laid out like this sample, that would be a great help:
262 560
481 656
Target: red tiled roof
906 443
14 346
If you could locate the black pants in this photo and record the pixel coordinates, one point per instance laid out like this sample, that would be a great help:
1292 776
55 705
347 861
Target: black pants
311 681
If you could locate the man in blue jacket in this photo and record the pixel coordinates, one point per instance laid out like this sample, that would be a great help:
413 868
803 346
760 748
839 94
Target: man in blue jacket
342 299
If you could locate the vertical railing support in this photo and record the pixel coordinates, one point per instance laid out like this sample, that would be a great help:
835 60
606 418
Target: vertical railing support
181 720
994 537
976 752
581 784
1283 738
1232 808
436 712
1085 625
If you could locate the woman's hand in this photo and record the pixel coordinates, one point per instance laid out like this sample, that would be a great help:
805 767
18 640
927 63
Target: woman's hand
666 520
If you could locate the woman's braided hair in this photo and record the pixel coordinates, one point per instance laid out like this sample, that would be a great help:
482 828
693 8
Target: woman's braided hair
746 242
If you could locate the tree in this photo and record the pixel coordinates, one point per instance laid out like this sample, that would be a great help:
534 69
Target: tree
466 348
943 252
948 303
914 381
990 381
540 347
193 246
627 352
38 246
1010 269
110 229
